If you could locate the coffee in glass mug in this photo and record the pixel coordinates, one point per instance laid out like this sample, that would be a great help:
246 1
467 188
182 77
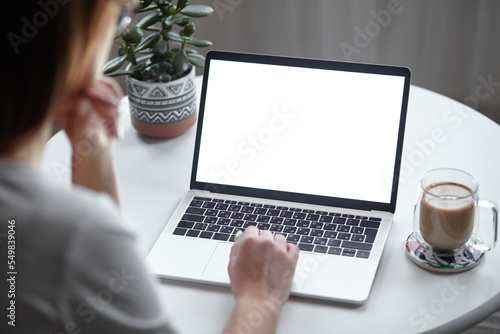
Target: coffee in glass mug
445 214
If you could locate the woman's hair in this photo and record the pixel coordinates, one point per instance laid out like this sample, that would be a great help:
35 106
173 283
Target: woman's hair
50 52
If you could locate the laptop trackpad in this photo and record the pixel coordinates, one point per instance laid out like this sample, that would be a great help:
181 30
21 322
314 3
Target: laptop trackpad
216 269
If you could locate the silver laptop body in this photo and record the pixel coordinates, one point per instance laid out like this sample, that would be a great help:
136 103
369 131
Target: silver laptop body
307 148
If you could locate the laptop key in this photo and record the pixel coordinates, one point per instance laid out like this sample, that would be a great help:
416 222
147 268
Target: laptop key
299 215
237 215
317 225
313 217
357 245
221 236
344 236
202 198
325 219
276 228
334 243
206 235
320 249
316 233
353 222
224 221
209 205
185 224
369 223
250 217
286 214
273 212
358 237
263 219
306 239
303 231
260 211
224 214
211 212
293 238
210 220
357 230
370 235
306 247
349 252
213 228
320 241
290 229
363 254
200 226
330 227
193 233
221 206
180 231
276 220
196 203
303 223
375 219
192 218
226 229
330 234
234 208
343 228
236 223
334 250
346 215
339 220
263 226
289 221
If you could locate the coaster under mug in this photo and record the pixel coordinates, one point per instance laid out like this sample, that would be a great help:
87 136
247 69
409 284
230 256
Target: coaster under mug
457 260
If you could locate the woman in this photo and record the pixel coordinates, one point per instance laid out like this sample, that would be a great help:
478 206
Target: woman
77 268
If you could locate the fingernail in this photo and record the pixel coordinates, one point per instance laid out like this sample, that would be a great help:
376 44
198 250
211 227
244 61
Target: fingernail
237 235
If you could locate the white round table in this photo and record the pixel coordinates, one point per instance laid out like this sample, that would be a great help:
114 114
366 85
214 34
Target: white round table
154 174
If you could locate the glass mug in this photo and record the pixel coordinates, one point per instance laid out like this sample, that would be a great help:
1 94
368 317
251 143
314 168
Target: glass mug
446 213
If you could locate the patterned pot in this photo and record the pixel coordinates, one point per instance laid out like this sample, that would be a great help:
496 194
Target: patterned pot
163 110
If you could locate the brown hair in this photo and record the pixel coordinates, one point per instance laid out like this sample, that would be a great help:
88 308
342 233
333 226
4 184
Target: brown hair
52 45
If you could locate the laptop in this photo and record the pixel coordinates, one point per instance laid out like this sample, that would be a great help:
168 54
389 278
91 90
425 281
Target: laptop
307 148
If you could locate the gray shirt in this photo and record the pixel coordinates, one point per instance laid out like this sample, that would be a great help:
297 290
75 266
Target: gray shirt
78 269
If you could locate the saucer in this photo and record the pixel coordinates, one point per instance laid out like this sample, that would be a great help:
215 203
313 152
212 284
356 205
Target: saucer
457 260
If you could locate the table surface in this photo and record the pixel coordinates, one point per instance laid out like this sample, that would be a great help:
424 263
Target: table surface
154 174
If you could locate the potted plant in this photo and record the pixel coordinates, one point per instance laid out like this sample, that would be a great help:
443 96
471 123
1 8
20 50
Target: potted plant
160 73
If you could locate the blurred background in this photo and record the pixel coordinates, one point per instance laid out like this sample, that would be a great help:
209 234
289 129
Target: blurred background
451 46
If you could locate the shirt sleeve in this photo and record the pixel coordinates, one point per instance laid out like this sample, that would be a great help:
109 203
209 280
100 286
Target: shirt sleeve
108 288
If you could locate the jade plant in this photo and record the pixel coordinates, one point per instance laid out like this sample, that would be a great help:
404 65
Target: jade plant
165 37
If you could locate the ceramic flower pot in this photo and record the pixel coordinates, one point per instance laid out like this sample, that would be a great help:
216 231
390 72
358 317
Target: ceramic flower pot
163 110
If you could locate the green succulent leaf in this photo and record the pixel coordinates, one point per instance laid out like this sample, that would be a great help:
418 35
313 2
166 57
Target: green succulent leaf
173 36
145 3
134 35
114 64
189 50
201 43
160 48
182 22
149 20
120 73
169 20
197 10
182 3
156 59
181 62
189 29
148 42
196 59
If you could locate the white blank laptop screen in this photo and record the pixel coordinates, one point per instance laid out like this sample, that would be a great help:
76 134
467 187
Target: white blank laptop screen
310 131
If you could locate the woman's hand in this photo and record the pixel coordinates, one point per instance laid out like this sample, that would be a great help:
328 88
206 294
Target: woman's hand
261 269
90 120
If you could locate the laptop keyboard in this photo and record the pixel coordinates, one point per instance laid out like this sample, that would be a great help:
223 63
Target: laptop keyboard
313 231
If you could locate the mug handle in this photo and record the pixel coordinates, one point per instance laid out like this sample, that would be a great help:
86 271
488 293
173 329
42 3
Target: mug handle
484 203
